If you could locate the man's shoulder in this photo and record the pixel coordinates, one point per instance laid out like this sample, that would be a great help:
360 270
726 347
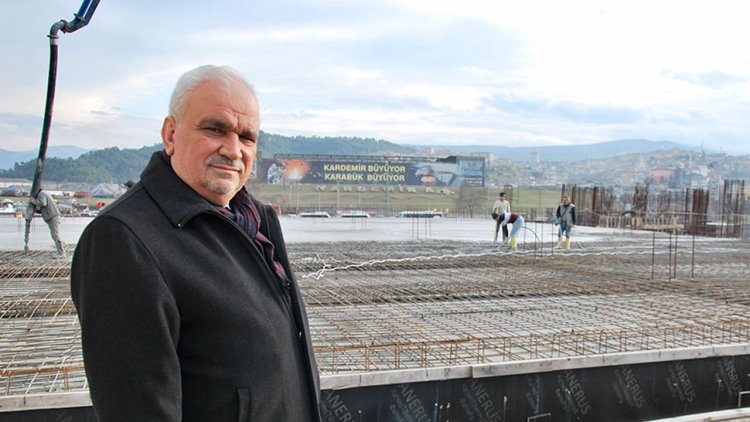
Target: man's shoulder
130 206
132 214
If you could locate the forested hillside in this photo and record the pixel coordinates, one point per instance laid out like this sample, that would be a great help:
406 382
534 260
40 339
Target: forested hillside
271 144
111 165
114 165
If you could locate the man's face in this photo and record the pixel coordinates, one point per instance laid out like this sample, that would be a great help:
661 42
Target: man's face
566 200
213 144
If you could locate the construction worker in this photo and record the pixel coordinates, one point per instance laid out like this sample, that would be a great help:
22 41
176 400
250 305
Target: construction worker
566 218
501 206
44 204
516 220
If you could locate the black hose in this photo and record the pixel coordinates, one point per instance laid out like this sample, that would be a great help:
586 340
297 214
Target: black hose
51 81
82 18
36 184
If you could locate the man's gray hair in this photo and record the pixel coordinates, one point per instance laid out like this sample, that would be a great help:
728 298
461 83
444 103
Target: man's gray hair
226 75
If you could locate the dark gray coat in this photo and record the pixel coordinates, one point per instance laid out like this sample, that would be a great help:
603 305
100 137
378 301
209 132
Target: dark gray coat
181 317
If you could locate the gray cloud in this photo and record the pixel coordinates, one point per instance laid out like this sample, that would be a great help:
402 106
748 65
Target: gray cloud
376 69
710 79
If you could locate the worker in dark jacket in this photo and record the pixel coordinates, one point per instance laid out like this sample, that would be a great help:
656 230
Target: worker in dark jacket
188 306
565 216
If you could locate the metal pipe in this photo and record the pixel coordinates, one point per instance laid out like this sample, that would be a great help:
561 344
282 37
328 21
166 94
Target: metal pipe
82 18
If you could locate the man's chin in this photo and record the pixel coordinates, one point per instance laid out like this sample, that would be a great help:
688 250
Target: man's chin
222 187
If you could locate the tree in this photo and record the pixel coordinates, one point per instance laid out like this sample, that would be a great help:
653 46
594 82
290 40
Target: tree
470 200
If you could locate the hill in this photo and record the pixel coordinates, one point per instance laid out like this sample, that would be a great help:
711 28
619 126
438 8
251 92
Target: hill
9 158
569 152
115 165
271 144
109 165
595 162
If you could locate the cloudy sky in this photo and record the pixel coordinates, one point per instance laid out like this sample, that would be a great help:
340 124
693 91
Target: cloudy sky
426 72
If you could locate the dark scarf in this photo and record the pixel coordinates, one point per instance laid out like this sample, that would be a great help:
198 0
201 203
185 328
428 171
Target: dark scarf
245 214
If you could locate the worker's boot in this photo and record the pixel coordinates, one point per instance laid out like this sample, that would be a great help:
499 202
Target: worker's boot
495 241
513 243
60 245
567 243
559 244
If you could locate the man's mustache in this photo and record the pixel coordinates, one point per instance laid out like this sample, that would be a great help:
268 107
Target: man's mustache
226 162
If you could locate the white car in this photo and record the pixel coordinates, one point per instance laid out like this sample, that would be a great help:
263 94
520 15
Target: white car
88 213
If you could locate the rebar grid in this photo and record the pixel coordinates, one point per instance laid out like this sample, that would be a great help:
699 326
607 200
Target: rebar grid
32 265
395 305
475 307
41 355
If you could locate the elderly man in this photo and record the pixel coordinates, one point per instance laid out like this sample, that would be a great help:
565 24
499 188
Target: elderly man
188 306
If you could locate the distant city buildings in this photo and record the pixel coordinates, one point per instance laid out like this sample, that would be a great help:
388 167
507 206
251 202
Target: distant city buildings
670 169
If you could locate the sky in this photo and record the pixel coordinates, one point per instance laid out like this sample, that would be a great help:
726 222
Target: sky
419 72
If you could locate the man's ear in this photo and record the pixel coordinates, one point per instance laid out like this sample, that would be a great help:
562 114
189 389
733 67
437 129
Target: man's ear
167 134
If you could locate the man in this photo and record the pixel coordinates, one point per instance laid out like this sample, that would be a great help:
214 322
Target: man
501 207
188 306
566 218
517 221
44 203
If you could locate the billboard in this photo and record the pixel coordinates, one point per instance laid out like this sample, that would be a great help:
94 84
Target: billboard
372 170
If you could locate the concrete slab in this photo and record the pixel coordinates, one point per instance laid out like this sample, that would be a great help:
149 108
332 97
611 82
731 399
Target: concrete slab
303 230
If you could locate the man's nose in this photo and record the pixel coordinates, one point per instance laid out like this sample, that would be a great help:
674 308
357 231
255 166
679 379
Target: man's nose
230 148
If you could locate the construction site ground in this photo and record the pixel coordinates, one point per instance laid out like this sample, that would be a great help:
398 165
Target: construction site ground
385 294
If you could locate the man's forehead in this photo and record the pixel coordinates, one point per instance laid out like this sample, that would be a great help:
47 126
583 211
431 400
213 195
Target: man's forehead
227 115
234 96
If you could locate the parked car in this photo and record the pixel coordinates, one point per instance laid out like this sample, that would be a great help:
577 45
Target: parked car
88 213
6 207
315 214
352 214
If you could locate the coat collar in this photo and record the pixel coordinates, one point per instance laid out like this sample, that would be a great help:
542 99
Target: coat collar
178 201
175 198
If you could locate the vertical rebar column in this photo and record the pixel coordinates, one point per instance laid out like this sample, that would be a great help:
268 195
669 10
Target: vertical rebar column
692 261
674 267
653 255
669 265
597 206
